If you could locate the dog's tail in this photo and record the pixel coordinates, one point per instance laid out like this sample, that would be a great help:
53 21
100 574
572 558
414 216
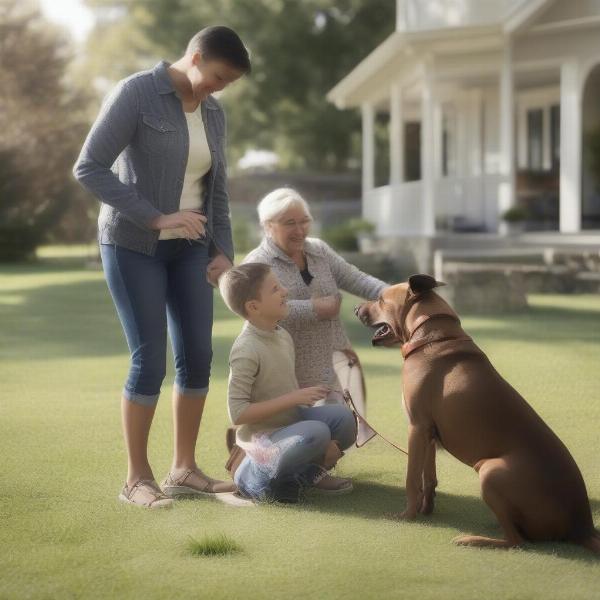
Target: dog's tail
592 542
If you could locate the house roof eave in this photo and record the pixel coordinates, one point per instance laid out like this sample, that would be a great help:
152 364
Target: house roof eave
365 69
347 92
524 15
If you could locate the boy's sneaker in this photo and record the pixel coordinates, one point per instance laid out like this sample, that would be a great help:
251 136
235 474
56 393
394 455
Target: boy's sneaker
235 499
328 484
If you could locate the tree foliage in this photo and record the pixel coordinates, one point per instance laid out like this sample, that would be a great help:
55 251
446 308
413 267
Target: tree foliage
300 49
40 132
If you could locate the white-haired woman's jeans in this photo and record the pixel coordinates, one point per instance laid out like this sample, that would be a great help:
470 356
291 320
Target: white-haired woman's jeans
294 453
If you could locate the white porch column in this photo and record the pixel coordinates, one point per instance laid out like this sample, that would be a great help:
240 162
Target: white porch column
428 151
462 141
570 148
438 132
396 135
506 190
368 148
476 133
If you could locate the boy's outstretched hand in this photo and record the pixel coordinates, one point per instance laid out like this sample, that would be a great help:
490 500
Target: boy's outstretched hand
259 411
309 395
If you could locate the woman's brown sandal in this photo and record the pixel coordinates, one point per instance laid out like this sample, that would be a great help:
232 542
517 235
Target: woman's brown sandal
145 493
193 482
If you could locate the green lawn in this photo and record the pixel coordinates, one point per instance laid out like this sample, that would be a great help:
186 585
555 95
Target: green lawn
64 535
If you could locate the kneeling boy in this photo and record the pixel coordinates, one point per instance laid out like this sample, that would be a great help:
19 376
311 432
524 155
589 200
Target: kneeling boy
289 443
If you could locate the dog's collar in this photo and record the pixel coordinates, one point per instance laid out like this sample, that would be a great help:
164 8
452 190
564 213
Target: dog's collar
412 346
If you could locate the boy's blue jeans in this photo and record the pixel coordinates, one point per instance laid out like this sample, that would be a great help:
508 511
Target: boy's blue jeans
294 451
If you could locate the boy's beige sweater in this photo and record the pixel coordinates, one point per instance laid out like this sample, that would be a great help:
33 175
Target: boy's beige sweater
262 367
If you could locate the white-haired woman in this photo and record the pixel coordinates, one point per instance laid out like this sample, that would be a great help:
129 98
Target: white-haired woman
314 274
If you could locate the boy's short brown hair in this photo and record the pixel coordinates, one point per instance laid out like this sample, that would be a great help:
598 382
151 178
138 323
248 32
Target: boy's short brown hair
241 284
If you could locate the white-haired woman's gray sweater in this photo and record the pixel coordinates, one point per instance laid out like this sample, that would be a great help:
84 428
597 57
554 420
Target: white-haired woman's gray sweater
315 339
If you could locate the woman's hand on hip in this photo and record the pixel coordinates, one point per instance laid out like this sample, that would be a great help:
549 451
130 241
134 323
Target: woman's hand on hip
216 267
327 307
189 222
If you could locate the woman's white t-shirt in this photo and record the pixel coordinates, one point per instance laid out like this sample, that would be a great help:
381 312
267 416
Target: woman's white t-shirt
198 165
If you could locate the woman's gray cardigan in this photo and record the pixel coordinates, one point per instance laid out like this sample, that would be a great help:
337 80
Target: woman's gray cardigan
135 157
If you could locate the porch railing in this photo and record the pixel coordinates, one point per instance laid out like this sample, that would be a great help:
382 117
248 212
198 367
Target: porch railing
467 203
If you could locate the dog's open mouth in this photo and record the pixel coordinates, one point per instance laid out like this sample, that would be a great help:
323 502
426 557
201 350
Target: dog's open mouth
382 332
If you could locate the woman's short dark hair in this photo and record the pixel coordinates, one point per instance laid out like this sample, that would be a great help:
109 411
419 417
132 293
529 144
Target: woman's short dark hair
221 43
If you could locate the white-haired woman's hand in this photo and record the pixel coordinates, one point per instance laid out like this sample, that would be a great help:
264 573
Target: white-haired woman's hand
327 307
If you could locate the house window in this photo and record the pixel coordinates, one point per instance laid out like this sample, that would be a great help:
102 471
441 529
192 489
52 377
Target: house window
535 139
412 151
382 149
445 152
555 136
449 152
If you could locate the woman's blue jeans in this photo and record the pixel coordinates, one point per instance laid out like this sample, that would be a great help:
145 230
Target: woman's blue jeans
296 450
150 292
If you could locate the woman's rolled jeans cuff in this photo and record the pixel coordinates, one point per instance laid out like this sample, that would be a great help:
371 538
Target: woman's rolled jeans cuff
188 391
142 399
152 399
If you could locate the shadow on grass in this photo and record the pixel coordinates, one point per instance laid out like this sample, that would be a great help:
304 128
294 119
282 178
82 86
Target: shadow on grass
463 515
77 319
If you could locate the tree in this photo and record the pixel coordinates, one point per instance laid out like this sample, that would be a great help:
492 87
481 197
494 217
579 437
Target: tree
40 131
300 49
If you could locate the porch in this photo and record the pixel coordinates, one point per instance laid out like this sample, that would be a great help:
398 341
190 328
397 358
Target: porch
457 131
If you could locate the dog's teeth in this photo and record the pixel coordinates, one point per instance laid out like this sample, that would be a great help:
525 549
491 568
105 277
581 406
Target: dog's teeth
382 330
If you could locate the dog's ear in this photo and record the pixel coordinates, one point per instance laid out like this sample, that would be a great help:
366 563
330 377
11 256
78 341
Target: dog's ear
422 283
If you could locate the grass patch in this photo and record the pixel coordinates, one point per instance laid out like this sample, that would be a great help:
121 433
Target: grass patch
213 545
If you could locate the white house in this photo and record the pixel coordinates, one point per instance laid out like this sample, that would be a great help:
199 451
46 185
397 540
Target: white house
484 104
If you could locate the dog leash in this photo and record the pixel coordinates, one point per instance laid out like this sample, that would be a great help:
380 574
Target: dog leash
359 417
353 363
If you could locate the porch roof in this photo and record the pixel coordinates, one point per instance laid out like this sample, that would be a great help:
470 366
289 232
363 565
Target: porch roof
403 49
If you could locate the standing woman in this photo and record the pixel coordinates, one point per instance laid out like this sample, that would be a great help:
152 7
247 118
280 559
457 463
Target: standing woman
155 157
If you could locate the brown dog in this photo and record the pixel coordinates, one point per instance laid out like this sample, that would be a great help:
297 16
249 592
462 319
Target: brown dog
453 395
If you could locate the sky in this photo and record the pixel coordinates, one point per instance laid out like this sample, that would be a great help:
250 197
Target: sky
72 14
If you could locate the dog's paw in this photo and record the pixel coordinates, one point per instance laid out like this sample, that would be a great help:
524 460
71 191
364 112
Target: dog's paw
427 505
407 515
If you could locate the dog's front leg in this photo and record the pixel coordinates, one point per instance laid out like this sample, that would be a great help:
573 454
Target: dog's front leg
418 440
429 479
